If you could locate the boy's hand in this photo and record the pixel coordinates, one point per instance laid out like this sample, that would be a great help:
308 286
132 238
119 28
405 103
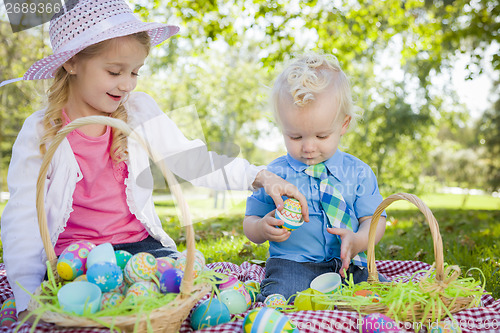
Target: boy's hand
276 187
270 232
348 247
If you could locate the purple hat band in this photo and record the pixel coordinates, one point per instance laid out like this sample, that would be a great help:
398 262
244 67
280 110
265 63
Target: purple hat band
88 23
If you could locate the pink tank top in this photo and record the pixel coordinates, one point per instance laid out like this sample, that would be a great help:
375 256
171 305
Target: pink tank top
100 211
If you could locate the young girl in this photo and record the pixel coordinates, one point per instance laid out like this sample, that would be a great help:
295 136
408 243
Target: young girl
92 189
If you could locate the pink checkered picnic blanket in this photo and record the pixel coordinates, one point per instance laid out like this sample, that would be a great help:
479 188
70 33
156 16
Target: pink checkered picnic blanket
480 319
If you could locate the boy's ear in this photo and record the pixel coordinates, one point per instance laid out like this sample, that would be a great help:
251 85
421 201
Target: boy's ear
345 125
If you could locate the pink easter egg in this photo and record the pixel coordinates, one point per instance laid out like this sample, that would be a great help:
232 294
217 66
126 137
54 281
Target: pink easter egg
72 261
379 323
162 265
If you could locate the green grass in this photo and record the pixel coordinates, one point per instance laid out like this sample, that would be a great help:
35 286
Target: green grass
469 233
469 240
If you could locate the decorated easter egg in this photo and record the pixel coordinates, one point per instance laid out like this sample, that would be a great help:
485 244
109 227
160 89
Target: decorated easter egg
291 214
122 288
276 301
209 313
106 275
170 281
162 264
367 293
8 312
72 261
122 257
443 327
81 278
143 288
267 320
198 265
111 299
141 267
379 323
234 300
101 253
234 283
253 288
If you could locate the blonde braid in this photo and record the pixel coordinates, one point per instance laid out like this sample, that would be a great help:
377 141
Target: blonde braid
118 149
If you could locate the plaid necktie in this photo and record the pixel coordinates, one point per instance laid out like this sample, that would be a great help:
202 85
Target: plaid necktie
334 205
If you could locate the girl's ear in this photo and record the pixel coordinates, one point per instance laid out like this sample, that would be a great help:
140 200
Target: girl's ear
345 125
69 66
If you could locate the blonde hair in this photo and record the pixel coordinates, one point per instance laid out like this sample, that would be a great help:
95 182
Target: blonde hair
309 75
58 93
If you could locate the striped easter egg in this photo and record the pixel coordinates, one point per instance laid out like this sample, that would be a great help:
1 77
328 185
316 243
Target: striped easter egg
267 320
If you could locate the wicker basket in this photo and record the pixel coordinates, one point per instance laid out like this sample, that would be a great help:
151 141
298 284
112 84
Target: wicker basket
167 318
442 277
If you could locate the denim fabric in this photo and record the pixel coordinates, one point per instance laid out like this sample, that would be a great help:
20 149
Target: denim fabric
149 245
287 277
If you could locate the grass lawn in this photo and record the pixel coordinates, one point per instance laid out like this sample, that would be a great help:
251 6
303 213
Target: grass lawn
469 233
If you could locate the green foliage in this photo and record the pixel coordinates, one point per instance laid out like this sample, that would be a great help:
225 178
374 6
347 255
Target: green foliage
489 132
227 53
17 101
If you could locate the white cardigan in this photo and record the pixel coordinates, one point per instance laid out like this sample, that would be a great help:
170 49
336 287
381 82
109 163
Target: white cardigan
23 251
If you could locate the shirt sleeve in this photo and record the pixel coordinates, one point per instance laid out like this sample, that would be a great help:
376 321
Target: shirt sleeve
260 203
188 159
21 241
368 196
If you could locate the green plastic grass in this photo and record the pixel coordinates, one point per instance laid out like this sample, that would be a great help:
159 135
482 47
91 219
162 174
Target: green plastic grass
398 300
142 306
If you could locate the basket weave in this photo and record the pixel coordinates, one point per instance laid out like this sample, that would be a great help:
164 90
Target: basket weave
167 318
442 277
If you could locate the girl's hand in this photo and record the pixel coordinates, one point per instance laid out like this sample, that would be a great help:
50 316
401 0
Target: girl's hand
276 187
349 246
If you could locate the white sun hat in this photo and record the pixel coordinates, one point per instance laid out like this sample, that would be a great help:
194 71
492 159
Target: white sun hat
89 22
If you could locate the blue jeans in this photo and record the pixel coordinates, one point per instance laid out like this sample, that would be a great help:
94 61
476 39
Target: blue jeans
149 245
287 277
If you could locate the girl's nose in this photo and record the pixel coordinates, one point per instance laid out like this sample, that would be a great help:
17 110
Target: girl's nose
127 84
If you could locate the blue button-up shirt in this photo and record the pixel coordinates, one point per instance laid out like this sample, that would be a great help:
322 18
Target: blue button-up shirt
312 242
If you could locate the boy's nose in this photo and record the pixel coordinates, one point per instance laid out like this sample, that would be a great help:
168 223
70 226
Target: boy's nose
308 146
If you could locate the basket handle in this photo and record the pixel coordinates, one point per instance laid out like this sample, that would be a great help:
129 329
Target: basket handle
429 217
185 218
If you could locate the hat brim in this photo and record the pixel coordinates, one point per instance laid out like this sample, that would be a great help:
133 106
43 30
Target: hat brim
45 68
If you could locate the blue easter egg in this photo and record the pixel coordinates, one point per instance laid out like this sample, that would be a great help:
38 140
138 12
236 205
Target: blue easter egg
209 313
106 275
267 320
170 280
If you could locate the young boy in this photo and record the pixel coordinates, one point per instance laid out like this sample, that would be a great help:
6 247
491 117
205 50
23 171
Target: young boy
313 107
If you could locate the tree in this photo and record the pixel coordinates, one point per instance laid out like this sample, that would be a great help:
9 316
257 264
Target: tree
489 134
17 100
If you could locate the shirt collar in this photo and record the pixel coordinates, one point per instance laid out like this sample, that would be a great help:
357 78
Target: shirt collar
333 164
